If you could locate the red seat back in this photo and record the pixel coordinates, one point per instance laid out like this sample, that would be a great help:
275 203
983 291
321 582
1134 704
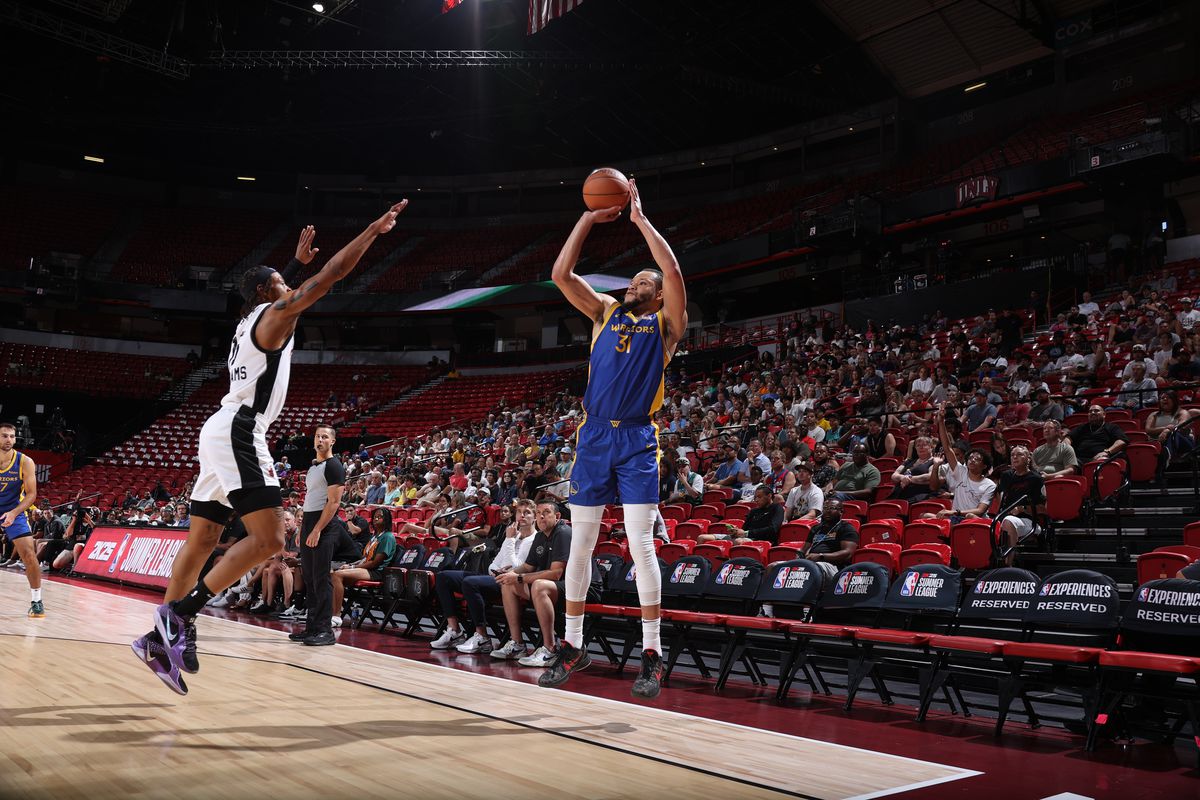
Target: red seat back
887 555
721 495
736 513
620 548
888 531
679 513
755 550
708 512
925 553
796 531
936 531
854 508
1191 534
1143 461
1064 497
782 553
717 553
1152 566
971 544
888 509
931 506
674 551
691 529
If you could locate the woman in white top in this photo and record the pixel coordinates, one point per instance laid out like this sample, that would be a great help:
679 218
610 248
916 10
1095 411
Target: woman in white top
922 383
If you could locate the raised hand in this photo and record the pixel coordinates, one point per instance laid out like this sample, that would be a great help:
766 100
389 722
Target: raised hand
605 214
305 252
388 220
635 203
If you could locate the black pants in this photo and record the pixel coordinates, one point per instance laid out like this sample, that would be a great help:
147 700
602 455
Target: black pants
314 566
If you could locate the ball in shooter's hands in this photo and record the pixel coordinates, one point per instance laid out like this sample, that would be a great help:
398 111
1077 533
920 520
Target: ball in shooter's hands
605 188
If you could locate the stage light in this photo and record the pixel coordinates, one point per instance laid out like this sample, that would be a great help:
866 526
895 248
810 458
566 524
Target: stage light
975 86
94 159
244 178
319 8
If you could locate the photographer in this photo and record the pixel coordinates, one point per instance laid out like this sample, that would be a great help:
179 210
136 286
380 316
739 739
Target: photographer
78 532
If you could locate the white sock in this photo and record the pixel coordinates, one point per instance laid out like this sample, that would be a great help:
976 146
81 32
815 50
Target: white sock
574 632
650 640
36 594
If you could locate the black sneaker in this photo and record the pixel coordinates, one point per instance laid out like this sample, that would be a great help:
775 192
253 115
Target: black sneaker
191 664
299 636
649 681
320 639
567 659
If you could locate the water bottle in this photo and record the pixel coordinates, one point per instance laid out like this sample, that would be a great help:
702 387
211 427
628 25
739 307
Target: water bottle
355 613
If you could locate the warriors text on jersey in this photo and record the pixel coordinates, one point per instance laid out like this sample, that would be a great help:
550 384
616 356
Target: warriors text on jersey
625 376
617 446
12 491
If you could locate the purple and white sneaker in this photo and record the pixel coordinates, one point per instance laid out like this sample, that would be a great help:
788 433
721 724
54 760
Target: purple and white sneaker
172 628
150 652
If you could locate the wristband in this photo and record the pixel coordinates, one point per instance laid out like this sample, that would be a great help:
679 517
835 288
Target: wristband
520 578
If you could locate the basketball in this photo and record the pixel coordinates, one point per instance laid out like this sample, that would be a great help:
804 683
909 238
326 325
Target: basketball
605 188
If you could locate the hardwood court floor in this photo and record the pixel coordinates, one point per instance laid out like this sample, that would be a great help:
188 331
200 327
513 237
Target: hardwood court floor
82 718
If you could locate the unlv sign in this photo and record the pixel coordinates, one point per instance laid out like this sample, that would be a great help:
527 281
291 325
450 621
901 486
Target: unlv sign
979 189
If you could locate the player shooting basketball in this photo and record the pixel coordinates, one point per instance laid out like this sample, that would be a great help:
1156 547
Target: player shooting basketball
617 453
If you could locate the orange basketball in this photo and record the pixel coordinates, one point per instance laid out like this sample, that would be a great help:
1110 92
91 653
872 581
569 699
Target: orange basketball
605 188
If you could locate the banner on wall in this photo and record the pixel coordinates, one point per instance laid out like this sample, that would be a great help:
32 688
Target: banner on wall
141 556
49 465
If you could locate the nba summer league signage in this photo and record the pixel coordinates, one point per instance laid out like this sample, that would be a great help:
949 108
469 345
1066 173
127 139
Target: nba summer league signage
141 556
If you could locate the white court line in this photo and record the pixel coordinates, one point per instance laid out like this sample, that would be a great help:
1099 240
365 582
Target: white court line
962 773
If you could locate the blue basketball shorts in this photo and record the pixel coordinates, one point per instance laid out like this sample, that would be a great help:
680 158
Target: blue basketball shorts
19 528
615 460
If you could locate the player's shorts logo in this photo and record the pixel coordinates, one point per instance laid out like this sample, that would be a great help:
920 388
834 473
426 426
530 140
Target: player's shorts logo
574 487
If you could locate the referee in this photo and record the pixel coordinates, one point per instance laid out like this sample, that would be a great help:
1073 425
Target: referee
325 484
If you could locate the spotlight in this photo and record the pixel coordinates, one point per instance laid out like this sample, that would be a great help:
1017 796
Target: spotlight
319 8
975 86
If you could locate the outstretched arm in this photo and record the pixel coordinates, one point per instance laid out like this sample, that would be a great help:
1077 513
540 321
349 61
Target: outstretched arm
280 318
674 292
585 299
944 437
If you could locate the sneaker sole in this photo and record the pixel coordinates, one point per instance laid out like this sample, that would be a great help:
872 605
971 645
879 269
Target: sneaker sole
583 664
646 694
181 689
37 616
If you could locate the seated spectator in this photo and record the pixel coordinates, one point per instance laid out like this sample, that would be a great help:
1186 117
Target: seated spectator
376 557
781 480
857 478
687 486
980 415
880 443
1055 457
429 494
832 541
1000 454
806 500
825 467
761 524
1044 409
1138 356
1139 391
1013 413
751 486
1018 482
1096 438
729 474
972 491
539 582
516 538
911 477
376 493
282 569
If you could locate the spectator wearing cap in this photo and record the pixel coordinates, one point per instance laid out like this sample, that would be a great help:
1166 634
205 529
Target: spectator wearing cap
980 415
1043 409
1189 315
1139 391
806 499
1096 438
730 471
1139 355
688 486
1013 413
857 478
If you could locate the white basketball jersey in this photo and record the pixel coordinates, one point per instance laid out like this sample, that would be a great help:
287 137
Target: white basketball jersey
258 379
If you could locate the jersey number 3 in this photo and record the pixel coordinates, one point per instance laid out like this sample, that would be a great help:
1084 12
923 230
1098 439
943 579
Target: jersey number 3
623 343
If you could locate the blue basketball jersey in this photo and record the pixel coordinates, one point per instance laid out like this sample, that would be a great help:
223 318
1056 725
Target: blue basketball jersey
626 368
12 487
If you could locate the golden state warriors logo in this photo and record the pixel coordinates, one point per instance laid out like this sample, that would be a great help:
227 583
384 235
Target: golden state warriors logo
574 487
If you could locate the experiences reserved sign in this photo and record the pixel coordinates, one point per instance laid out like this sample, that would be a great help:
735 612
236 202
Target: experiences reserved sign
141 556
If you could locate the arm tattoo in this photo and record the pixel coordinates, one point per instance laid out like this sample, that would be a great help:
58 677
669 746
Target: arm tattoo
282 305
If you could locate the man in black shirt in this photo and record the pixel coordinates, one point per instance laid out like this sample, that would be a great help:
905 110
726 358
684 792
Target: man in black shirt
1018 481
324 486
536 480
1096 439
761 524
832 541
539 581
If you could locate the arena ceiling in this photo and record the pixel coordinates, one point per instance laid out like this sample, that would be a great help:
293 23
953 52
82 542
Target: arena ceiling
924 46
644 78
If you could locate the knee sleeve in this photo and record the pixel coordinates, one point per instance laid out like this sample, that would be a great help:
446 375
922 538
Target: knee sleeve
585 529
639 527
